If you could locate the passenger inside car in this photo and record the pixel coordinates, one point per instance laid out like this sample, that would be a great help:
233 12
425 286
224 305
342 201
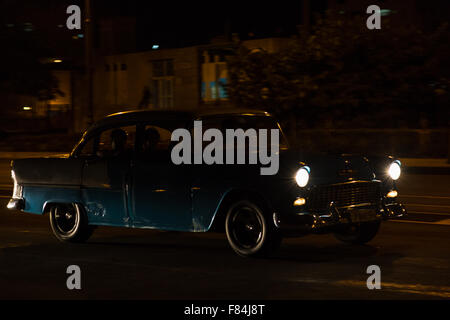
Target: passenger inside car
151 140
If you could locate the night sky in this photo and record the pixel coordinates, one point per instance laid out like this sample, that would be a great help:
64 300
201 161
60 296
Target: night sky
187 23
176 23
171 24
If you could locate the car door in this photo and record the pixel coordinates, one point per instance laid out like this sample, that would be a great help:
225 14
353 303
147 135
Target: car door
105 179
161 191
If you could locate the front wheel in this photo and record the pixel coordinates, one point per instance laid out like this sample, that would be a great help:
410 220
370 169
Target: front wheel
249 232
69 223
360 233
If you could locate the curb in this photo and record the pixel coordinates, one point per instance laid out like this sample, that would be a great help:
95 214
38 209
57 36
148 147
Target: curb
426 166
427 170
428 163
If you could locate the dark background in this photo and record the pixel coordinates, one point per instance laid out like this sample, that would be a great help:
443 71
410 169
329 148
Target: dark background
32 31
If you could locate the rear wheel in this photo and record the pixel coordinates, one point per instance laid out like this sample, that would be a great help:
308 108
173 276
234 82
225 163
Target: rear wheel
69 223
249 232
359 233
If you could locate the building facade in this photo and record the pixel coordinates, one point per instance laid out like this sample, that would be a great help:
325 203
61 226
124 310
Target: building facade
182 78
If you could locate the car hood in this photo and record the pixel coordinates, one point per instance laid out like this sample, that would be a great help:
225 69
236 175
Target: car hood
327 168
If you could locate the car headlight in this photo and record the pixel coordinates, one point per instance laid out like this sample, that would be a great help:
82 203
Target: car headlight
302 176
395 170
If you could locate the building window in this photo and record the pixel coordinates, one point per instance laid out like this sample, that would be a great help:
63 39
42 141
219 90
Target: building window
163 84
162 68
123 67
214 79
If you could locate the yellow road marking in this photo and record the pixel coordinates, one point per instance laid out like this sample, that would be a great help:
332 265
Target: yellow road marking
425 197
428 205
437 291
430 213
14 245
445 222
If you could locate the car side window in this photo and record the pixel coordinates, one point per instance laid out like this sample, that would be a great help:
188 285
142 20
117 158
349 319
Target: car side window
88 150
116 142
209 123
245 123
154 143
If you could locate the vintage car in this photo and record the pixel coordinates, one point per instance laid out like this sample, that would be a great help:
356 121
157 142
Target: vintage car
113 178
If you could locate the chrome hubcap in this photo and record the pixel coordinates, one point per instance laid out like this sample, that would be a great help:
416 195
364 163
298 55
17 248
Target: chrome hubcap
66 219
247 227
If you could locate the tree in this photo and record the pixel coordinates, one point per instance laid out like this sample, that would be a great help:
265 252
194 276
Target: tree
348 74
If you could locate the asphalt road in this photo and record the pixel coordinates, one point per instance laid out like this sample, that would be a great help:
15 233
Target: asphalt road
116 263
413 255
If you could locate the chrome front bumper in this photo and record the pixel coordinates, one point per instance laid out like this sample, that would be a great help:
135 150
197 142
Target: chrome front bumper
312 222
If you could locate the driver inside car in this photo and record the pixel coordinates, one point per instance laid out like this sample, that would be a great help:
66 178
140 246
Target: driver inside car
150 143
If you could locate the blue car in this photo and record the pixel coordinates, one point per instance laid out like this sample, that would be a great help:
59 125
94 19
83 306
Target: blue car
122 173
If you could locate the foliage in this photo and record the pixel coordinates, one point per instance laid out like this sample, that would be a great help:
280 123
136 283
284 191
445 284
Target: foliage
344 73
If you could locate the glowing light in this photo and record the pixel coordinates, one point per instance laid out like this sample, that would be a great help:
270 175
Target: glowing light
155 46
57 60
395 170
300 202
302 176
392 194
27 108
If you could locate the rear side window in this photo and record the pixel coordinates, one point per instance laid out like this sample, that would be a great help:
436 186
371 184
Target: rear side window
244 122
153 142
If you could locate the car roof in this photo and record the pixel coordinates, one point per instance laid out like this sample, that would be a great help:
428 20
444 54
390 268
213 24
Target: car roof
176 117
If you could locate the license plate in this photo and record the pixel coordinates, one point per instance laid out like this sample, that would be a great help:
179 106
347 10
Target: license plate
362 215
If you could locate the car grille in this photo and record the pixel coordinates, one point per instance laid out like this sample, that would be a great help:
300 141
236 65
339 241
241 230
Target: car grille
344 195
